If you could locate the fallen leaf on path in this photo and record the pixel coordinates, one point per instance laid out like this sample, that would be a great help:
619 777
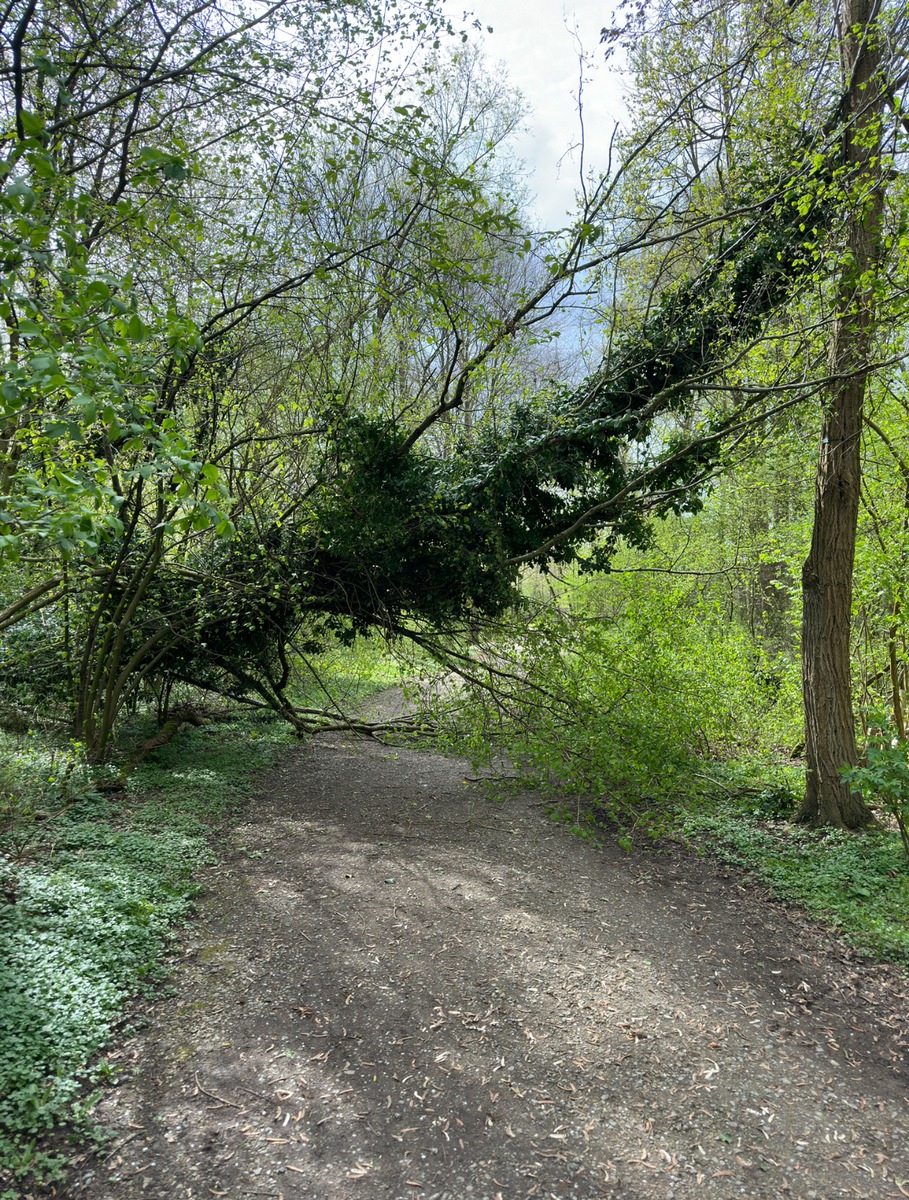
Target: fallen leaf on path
358 1171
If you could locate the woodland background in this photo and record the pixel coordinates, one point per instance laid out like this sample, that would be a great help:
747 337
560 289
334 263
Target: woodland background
296 401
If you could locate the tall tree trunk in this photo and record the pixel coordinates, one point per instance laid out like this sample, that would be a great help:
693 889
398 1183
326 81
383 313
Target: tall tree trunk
830 742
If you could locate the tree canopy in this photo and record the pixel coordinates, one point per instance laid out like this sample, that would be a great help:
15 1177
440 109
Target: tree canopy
279 336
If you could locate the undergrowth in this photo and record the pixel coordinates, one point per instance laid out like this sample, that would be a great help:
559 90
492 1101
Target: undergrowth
343 675
856 883
91 887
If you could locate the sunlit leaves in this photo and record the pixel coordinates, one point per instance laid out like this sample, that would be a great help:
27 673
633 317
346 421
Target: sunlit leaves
75 385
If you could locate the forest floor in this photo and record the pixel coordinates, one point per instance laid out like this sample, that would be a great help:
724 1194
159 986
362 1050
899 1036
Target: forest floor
397 986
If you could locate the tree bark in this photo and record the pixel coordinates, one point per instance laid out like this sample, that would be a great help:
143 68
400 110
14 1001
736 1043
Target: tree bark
830 742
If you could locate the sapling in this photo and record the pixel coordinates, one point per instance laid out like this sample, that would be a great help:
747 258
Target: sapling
883 780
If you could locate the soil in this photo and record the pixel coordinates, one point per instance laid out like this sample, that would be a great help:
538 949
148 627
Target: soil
398 986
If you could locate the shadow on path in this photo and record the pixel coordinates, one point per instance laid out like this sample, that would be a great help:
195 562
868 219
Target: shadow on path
399 988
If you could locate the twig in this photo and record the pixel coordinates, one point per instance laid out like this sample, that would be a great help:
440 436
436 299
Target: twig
212 1096
120 1145
473 824
243 1088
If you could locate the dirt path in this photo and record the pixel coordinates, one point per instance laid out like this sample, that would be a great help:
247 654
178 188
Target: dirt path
397 988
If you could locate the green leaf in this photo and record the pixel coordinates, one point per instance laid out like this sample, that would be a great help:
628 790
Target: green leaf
32 124
98 292
45 65
136 329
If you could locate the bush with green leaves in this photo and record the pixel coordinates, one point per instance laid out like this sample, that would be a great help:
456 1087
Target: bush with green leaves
883 779
620 712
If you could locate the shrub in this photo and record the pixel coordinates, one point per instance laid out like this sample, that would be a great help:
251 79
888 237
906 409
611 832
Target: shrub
620 713
883 780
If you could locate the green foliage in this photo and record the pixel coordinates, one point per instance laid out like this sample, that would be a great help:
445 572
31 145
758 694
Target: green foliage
547 477
77 390
144 417
618 711
348 672
883 779
88 898
399 540
33 668
290 420
880 643
38 781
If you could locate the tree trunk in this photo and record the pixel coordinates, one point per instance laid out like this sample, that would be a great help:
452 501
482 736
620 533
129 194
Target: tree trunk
830 742
827 599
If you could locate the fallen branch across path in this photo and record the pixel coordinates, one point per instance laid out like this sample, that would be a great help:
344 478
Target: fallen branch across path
409 724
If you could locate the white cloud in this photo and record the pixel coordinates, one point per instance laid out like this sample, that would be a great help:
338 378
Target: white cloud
540 42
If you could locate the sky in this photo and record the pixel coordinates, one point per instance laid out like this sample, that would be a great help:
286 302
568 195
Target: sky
539 42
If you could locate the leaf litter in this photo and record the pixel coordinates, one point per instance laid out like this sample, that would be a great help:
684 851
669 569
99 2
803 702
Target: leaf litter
452 1011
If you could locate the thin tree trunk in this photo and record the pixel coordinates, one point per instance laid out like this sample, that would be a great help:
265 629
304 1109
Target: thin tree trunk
830 742
899 719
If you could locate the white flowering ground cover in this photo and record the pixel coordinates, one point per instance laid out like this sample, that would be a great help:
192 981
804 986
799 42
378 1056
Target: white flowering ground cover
91 886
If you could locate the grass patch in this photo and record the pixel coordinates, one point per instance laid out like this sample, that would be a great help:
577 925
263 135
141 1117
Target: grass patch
343 676
857 883
91 888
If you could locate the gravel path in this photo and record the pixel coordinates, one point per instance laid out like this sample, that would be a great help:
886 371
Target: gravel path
398 988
